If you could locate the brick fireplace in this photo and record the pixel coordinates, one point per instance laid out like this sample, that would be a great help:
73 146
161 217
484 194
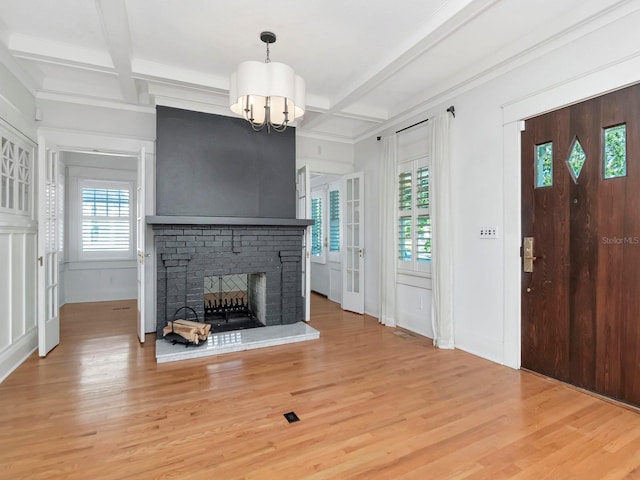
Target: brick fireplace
226 205
189 252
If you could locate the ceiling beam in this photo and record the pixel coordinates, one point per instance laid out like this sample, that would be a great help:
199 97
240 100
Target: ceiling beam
115 25
56 53
451 17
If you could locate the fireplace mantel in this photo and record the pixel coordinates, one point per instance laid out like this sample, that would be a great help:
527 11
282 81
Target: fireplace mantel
240 221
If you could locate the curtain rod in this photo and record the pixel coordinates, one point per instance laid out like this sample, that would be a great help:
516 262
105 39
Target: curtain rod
412 125
451 110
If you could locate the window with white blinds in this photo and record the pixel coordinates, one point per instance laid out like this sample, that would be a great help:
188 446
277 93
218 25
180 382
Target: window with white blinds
414 221
423 223
316 229
319 241
334 221
405 220
106 224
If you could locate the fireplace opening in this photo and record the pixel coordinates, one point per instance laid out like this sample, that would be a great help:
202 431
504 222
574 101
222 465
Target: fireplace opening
235 302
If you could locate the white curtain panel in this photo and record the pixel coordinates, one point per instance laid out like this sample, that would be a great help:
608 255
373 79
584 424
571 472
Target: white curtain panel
442 239
388 227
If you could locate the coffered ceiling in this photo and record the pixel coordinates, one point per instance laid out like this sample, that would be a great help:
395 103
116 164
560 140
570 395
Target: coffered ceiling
365 62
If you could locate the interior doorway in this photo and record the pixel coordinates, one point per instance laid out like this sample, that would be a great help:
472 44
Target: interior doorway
99 226
581 212
337 239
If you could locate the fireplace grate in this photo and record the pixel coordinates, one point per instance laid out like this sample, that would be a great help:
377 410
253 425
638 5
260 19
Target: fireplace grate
220 306
226 295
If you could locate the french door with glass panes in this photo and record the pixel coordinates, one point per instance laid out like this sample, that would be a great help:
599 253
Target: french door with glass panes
353 259
48 232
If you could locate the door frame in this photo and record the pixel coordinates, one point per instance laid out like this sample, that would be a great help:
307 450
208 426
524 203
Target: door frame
303 211
72 141
141 245
514 113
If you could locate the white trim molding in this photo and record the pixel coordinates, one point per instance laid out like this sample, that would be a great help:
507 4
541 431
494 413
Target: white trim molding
16 353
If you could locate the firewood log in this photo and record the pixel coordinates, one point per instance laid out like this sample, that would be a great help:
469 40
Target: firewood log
201 328
185 331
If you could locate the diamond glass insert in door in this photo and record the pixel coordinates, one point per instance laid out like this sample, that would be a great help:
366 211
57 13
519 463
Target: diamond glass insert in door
576 159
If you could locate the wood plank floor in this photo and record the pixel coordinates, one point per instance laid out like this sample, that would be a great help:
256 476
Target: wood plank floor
372 404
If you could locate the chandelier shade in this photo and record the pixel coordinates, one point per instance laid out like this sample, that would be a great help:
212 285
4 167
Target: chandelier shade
267 93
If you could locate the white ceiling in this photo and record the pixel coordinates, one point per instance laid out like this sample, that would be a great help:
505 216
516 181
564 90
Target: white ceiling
365 62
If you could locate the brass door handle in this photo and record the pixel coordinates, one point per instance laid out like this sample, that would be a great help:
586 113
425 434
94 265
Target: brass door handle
528 257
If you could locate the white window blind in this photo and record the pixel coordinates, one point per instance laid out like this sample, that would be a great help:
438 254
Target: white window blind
316 229
405 232
106 219
334 221
423 223
414 221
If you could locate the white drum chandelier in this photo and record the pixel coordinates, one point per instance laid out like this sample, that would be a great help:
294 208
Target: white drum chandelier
267 94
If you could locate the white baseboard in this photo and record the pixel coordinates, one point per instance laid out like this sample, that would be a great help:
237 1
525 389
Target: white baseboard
481 347
420 324
16 353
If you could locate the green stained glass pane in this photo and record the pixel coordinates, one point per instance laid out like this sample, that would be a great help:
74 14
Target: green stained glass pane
576 160
544 165
615 152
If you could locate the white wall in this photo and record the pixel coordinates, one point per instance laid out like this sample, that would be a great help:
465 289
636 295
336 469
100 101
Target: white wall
18 247
323 155
486 173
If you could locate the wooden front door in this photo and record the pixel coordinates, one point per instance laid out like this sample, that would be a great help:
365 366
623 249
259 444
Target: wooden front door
581 207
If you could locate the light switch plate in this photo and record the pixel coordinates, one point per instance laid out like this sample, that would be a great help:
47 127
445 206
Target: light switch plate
489 232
